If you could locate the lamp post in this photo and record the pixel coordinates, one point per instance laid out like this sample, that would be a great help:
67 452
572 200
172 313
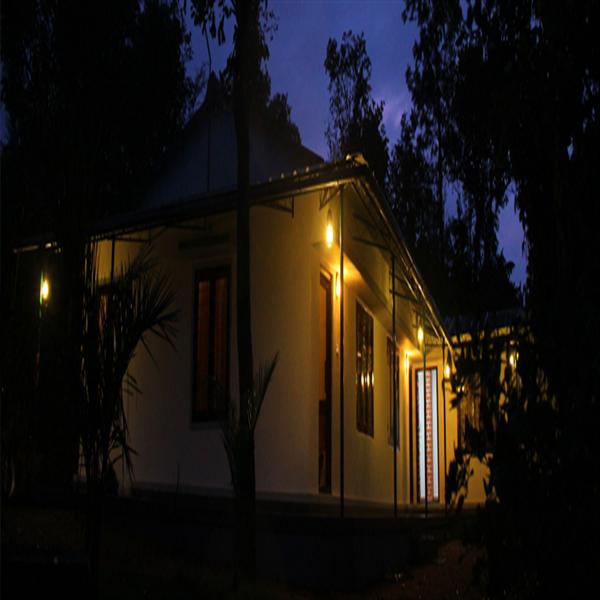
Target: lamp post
394 388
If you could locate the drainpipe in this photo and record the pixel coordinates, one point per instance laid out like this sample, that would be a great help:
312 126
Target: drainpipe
341 234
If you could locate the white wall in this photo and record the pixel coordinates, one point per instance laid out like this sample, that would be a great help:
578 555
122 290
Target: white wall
288 254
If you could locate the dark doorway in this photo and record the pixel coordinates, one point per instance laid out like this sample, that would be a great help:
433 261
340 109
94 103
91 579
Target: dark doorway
325 321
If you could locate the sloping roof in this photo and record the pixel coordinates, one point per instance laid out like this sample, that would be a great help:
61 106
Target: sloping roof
204 161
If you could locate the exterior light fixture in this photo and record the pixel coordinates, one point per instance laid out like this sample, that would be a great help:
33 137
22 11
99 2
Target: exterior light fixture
420 335
338 285
329 230
44 290
447 371
512 359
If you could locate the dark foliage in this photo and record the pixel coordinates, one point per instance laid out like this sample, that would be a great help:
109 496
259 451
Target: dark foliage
355 119
445 186
93 94
271 111
525 91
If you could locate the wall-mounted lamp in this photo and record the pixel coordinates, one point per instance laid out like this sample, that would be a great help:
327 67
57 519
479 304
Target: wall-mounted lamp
44 289
329 230
420 335
338 285
447 371
512 359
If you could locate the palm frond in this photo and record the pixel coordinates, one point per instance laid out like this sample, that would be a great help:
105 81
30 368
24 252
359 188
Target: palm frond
118 316
262 381
238 437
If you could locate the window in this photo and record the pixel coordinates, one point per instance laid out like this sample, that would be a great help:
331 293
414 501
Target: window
364 371
211 344
392 358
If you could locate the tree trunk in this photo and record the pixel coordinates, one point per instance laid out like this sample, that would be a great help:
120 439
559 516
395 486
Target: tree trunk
94 518
242 118
247 19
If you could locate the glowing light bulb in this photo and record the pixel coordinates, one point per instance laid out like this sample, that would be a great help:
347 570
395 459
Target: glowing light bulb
329 230
44 290
447 371
420 335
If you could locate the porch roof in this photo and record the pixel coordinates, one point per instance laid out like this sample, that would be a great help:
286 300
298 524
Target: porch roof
354 171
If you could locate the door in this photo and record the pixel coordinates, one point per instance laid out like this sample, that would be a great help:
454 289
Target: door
325 318
427 436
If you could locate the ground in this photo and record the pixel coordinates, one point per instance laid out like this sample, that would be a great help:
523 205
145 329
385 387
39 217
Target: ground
135 565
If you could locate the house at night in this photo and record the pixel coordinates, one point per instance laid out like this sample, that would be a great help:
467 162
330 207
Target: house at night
363 353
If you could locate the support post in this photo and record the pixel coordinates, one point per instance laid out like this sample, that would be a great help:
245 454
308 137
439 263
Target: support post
425 418
341 237
394 388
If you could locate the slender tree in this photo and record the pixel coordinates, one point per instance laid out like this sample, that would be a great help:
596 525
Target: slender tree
355 118
250 91
457 176
412 193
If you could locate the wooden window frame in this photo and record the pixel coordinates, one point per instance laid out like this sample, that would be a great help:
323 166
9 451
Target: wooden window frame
211 274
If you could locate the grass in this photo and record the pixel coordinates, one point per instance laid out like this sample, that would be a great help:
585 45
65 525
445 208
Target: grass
135 564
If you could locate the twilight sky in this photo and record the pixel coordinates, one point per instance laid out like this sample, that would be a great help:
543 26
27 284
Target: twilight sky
296 68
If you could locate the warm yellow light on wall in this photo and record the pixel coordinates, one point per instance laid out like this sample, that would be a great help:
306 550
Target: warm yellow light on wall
447 371
420 335
44 289
512 359
407 361
338 285
329 230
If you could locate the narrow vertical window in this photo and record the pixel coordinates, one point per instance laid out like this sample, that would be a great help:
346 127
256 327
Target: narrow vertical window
211 344
364 371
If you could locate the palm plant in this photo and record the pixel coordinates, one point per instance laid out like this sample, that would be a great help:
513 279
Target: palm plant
238 439
117 317
238 434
